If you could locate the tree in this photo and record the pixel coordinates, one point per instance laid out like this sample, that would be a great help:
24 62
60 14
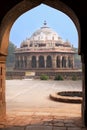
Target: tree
11 57
77 59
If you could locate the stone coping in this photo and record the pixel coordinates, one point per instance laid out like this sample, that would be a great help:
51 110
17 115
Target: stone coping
64 96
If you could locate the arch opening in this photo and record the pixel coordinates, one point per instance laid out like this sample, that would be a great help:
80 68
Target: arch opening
6 31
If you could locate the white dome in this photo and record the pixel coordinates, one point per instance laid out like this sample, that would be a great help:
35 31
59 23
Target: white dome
44 33
43 37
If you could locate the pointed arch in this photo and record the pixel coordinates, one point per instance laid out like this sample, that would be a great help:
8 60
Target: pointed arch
63 62
41 62
58 62
49 62
25 61
33 62
69 62
21 62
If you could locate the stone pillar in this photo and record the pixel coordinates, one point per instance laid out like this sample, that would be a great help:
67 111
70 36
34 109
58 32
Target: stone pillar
2 86
54 62
28 62
37 62
60 61
66 61
83 53
45 58
24 62
72 61
84 88
19 62
23 66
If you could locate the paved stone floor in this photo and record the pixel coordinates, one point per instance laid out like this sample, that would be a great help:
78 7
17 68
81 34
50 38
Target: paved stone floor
28 106
28 94
41 122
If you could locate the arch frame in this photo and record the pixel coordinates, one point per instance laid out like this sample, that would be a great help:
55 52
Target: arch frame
18 10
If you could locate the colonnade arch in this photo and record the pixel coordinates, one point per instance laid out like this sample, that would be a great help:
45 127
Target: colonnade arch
33 62
41 61
25 61
49 62
63 62
44 61
58 62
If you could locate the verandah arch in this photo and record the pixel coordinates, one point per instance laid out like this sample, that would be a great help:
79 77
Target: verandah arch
33 62
41 62
63 62
49 62
25 61
58 62
9 20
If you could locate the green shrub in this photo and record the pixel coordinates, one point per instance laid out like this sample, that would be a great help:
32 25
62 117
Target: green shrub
44 77
58 77
74 77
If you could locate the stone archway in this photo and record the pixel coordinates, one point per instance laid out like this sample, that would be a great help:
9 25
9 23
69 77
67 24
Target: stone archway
5 28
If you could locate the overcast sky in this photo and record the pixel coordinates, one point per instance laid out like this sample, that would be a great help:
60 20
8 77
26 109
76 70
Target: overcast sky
32 20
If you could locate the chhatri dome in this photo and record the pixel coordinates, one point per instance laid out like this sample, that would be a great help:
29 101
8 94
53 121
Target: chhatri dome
44 37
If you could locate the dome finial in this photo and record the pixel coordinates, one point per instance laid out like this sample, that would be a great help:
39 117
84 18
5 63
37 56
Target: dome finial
45 23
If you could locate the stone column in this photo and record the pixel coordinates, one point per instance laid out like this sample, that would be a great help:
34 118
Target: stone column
23 66
83 53
54 61
37 62
72 61
28 62
66 61
45 58
19 63
2 86
84 88
60 61
24 62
